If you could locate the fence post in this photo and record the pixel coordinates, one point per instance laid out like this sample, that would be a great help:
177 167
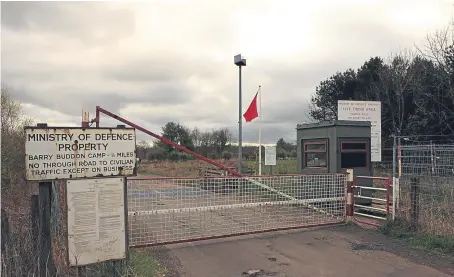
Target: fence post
388 191
34 222
414 207
46 266
350 196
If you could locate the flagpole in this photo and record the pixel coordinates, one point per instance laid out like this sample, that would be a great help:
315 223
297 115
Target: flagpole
260 130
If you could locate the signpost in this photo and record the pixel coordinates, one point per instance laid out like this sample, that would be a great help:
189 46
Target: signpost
97 207
97 214
364 111
270 155
67 153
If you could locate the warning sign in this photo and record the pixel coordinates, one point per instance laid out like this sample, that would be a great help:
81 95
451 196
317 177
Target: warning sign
96 220
270 155
67 153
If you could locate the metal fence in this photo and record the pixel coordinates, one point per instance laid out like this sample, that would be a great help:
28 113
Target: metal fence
426 179
166 210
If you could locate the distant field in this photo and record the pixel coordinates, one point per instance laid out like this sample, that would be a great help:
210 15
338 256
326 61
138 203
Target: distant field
192 168
281 167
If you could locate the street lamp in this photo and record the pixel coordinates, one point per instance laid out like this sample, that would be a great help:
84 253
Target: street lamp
240 61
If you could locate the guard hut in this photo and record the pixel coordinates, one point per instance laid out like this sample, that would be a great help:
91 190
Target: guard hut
333 147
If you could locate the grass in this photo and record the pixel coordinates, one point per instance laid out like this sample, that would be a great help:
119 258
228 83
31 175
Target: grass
141 264
144 265
401 230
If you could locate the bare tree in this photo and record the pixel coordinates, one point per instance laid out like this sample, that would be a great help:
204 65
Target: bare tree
395 88
439 48
196 136
436 45
13 138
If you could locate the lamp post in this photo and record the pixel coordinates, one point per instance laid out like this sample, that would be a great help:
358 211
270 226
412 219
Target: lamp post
240 61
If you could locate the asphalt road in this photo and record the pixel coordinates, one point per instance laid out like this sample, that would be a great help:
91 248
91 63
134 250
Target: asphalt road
344 251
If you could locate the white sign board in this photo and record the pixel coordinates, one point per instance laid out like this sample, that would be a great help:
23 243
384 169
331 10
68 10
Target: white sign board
96 220
68 153
270 155
364 111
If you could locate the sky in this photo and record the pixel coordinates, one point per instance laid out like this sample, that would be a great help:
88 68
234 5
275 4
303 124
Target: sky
172 60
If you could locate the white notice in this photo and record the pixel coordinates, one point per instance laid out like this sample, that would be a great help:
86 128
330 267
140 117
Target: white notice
69 153
364 111
96 220
270 155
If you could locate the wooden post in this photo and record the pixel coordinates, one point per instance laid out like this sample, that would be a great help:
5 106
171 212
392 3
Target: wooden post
5 230
117 268
414 207
46 266
34 222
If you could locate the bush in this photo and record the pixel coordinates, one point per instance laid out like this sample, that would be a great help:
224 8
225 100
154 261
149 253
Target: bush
173 156
13 136
226 155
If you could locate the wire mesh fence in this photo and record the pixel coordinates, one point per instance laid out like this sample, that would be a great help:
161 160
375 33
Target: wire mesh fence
165 210
426 183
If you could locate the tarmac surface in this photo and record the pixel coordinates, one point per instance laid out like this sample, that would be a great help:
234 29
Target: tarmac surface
342 251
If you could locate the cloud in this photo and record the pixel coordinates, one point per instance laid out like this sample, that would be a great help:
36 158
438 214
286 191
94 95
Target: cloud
161 61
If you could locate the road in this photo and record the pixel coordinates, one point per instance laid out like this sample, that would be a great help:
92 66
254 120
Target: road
343 251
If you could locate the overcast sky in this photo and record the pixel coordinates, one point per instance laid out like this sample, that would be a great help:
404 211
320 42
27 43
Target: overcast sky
163 60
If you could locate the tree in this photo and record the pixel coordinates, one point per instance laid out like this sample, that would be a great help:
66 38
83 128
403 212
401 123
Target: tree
414 91
220 139
142 149
439 50
195 135
206 143
178 134
13 136
281 143
340 86
284 149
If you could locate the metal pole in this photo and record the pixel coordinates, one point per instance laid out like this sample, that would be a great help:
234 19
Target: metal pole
432 158
240 127
394 156
260 130
399 171
395 180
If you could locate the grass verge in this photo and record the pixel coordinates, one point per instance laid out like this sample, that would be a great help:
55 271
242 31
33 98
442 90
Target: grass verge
141 264
144 265
401 230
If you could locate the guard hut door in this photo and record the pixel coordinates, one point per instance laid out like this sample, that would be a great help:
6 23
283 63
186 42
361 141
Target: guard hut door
354 153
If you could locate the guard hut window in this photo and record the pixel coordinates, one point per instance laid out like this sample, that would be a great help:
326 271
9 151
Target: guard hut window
354 154
315 154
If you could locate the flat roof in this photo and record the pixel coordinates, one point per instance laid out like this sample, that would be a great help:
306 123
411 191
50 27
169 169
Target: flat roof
333 124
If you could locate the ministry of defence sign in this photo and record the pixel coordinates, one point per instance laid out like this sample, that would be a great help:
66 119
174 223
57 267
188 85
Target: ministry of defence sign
68 153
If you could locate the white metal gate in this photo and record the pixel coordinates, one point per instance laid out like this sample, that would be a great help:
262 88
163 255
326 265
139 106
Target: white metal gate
171 210
379 195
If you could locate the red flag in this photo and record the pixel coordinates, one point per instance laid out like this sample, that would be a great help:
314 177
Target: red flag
251 112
